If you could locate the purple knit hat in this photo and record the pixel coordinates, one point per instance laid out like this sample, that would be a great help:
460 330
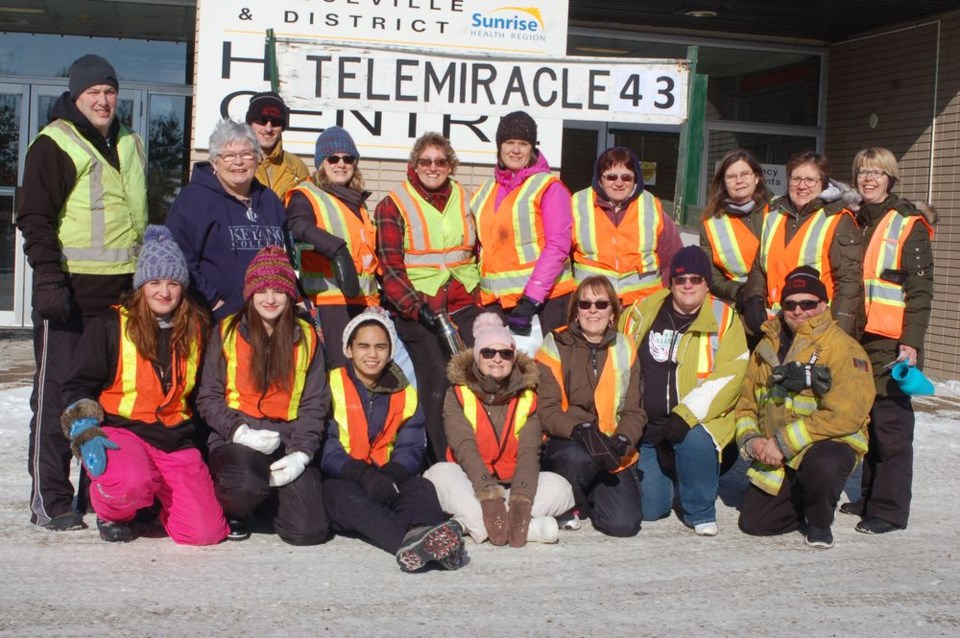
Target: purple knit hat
270 269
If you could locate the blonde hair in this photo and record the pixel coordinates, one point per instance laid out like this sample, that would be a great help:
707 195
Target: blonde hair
882 159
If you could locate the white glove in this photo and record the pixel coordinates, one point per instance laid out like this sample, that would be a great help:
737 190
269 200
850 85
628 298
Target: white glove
266 441
287 469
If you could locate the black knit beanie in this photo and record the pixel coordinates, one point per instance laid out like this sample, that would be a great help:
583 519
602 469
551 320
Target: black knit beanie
804 279
517 126
90 70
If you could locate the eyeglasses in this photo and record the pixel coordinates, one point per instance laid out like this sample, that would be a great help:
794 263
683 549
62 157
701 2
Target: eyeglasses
626 178
803 304
696 280
739 177
230 158
426 162
263 121
806 181
599 304
490 353
336 159
875 173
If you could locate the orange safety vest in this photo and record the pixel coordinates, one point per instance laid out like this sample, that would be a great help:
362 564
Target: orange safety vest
610 394
498 454
360 235
511 240
625 254
239 388
352 420
810 246
136 392
733 244
884 300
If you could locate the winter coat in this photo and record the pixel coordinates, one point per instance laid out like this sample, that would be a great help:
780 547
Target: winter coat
303 434
410 442
462 370
845 254
709 401
720 286
280 171
802 418
917 262
581 363
220 236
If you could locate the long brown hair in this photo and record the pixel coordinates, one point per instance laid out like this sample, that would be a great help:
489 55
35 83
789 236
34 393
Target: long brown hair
718 187
272 357
190 324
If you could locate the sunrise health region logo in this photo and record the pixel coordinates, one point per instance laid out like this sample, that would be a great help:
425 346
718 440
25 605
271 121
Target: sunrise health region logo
509 23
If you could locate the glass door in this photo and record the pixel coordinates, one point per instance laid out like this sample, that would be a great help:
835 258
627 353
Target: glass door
13 136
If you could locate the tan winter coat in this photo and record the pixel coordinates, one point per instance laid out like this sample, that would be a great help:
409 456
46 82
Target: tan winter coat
460 437
280 171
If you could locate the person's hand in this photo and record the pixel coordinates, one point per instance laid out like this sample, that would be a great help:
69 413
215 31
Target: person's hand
427 318
520 320
378 485
908 354
92 444
676 429
264 441
599 446
288 469
754 313
495 520
51 295
345 272
518 520
766 451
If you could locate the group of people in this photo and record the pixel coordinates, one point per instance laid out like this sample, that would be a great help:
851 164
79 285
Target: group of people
176 362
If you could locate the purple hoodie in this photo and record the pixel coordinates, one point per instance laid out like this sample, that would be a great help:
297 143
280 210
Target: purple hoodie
556 215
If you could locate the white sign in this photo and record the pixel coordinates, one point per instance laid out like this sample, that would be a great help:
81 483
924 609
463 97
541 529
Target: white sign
775 175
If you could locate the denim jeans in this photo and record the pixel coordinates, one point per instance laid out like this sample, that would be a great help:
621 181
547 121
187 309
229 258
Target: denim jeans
698 477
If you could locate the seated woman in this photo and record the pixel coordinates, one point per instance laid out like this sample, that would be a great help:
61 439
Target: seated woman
493 428
374 451
591 408
129 416
264 395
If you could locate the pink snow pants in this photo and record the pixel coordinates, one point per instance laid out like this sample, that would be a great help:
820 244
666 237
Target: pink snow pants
138 472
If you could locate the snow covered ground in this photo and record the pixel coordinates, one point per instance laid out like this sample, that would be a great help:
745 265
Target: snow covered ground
665 581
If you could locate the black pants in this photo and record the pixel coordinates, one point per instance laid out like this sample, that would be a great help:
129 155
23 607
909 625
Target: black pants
333 319
887 484
353 511
430 363
808 494
54 345
612 501
241 480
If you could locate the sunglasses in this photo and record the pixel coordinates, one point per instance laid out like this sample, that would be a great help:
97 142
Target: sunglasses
805 304
336 159
440 162
623 177
490 353
696 280
599 304
263 121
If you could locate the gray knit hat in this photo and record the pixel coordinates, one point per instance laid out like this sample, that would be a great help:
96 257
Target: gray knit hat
90 70
160 258
334 140
372 313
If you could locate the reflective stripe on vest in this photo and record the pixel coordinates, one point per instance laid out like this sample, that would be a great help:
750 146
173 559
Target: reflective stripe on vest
240 390
498 454
359 233
733 244
352 420
625 254
709 343
510 238
137 393
103 219
884 301
437 245
810 246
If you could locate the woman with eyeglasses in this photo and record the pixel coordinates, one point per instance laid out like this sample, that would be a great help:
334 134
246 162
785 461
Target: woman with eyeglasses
329 212
810 226
426 244
524 226
737 204
491 482
224 216
591 409
898 289
620 230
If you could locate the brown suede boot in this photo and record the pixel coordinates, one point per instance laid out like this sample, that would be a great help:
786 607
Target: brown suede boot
495 520
518 520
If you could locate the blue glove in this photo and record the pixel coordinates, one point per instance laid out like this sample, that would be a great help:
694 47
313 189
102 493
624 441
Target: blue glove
93 452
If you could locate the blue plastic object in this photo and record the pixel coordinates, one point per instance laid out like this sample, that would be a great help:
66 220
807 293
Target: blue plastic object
911 380
93 453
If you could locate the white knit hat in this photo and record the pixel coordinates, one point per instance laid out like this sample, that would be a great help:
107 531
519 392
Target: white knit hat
373 313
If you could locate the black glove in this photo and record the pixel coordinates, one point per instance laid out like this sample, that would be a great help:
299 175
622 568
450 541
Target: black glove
622 445
520 320
51 294
796 377
754 313
428 318
378 485
676 429
346 273
599 446
399 473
